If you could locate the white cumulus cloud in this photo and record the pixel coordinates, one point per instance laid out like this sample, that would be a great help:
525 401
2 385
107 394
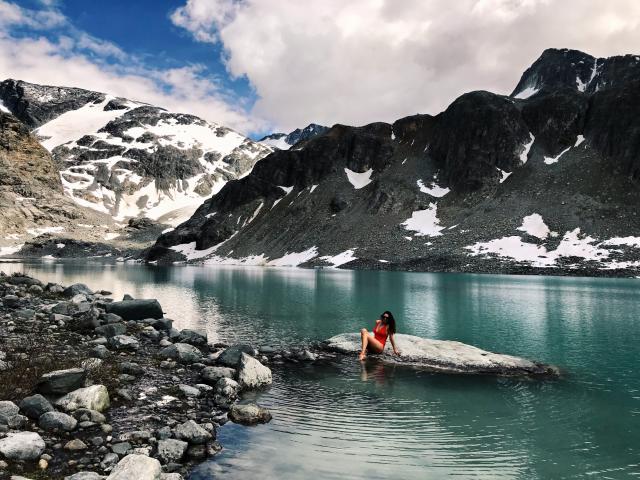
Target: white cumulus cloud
67 56
360 61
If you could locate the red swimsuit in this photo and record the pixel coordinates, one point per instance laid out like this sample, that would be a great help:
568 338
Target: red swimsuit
380 333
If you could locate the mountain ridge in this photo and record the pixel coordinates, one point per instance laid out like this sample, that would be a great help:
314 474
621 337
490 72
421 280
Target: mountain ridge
542 184
127 158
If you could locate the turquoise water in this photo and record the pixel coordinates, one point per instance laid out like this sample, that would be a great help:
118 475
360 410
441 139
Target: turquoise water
347 420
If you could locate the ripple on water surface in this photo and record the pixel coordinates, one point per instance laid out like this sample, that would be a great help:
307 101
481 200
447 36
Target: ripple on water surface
346 420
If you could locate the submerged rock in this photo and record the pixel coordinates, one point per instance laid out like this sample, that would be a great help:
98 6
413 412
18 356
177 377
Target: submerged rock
249 414
445 356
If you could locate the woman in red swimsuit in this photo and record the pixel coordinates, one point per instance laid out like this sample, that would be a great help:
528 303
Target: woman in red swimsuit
385 327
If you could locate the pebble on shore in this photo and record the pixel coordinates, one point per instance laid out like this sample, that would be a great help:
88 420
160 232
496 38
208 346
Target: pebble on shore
122 394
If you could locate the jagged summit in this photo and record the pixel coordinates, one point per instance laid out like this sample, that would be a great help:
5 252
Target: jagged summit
575 70
35 104
284 141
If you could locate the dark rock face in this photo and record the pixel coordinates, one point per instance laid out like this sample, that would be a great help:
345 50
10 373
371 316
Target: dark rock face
136 309
35 104
613 128
31 192
477 133
433 192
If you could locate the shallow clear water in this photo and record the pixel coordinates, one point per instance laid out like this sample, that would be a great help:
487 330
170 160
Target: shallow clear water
346 420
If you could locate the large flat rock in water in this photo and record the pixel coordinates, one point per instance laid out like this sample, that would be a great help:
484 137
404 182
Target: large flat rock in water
444 356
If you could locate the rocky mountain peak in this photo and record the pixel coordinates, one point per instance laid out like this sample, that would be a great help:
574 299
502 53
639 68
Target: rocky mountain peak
284 141
36 104
577 71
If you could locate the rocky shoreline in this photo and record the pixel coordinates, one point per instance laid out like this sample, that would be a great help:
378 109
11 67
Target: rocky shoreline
95 388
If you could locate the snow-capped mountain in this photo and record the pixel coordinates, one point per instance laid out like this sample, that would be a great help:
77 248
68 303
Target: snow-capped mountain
130 159
543 181
284 141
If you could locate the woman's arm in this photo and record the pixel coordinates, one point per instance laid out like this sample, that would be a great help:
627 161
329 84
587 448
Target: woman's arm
393 344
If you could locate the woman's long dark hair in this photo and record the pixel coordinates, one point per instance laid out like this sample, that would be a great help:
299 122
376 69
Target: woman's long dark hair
391 322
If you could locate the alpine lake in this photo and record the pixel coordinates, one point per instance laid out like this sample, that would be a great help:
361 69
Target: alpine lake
352 420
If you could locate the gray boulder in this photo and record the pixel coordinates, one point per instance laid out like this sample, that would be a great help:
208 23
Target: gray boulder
165 324
121 448
124 342
62 381
211 375
138 467
231 356
249 414
77 289
192 433
192 337
189 391
22 446
252 374
109 461
446 356
100 351
8 410
226 392
136 309
11 301
95 397
84 476
65 308
171 450
57 422
86 415
35 405
111 329
182 352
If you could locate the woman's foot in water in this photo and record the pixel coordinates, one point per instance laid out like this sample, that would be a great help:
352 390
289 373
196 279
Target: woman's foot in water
362 356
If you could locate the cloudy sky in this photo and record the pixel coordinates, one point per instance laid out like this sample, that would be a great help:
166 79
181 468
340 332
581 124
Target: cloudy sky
263 65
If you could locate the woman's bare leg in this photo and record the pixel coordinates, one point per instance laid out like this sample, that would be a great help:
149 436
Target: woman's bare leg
369 343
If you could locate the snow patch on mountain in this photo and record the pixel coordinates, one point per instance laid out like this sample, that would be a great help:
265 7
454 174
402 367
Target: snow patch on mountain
71 125
503 174
552 160
279 142
524 155
424 222
433 189
341 258
3 108
526 93
129 160
534 225
359 180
